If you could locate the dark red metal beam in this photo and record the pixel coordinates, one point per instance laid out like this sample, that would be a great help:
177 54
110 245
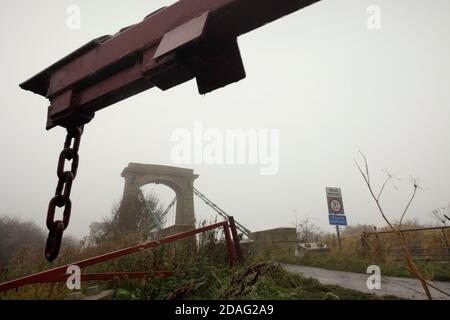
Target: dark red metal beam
52 278
231 255
189 39
236 241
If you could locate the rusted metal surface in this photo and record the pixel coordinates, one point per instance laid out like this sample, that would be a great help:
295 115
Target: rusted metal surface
229 242
62 277
189 39
190 31
62 193
237 245
59 274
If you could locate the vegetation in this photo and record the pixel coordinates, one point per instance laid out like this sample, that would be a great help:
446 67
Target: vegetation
345 260
250 281
16 235
351 257
197 274
110 229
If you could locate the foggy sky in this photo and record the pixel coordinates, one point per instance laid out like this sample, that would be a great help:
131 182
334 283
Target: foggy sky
330 85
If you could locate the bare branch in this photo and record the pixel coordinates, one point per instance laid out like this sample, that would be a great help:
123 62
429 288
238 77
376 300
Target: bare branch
408 204
437 289
369 186
383 186
438 216
407 255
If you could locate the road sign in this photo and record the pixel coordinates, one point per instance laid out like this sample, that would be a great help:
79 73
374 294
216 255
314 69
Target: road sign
336 210
337 220
334 200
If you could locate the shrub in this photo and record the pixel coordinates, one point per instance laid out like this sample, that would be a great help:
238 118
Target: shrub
16 235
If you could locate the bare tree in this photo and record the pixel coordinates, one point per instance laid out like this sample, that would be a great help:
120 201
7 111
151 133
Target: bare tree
306 230
16 234
364 170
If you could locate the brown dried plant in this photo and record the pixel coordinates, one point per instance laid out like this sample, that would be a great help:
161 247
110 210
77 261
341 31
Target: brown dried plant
364 170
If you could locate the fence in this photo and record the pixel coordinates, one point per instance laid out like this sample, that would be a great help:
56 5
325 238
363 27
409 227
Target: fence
60 274
429 244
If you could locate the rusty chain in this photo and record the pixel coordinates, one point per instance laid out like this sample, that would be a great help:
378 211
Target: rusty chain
62 193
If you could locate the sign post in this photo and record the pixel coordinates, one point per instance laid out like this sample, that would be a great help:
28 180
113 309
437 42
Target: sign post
338 234
336 214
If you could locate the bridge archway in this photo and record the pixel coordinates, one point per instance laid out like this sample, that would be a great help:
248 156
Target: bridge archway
164 196
180 180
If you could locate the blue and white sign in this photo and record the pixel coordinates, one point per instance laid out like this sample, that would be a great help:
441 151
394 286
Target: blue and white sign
337 219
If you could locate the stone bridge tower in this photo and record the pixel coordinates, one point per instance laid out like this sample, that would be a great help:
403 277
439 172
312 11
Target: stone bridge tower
180 180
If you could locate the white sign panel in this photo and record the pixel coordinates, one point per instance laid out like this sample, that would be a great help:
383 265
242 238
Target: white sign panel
334 200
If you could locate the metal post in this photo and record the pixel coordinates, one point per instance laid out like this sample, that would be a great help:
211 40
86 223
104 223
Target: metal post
237 245
338 237
364 244
231 257
446 241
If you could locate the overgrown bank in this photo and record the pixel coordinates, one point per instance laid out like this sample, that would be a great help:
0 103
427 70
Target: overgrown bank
203 274
254 281
344 260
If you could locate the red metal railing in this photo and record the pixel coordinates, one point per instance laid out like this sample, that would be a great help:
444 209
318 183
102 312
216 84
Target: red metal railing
60 274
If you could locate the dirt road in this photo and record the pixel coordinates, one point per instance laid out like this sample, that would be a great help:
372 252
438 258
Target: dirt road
394 286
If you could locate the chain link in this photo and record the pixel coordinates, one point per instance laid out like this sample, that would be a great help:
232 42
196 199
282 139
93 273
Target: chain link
62 193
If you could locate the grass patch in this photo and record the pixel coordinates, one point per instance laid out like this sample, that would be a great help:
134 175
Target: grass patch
250 281
354 262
